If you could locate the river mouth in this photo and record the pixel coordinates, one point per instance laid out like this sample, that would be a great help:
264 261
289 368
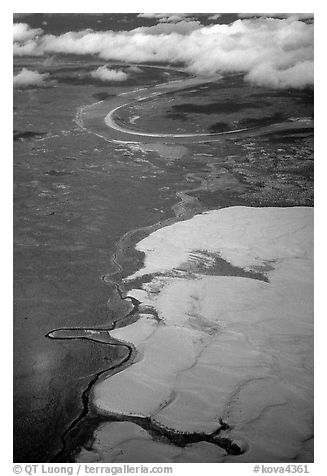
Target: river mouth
72 209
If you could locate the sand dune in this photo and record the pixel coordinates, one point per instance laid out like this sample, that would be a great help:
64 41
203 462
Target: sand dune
226 347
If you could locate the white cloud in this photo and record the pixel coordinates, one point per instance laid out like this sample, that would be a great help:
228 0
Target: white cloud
215 16
298 76
152 15
160 15
105 74
134 69
23 32
283 46
174 18
181 27
165 17
27 78
299 16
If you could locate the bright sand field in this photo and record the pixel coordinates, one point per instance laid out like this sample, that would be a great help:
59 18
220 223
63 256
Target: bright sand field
231 348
